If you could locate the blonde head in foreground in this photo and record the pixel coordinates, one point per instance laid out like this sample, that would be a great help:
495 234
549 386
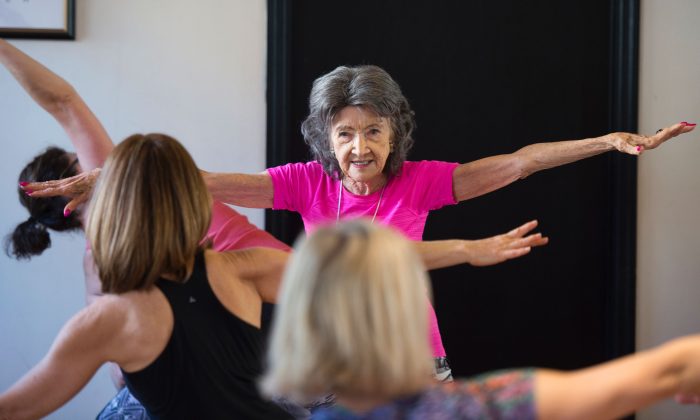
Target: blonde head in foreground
148 214
352 317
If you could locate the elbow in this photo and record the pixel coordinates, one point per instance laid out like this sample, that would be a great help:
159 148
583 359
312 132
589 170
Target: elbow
61 101
65 99
523 166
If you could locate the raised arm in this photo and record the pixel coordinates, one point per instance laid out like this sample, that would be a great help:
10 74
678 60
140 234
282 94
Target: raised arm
81 347
614 389
482 252
245 190
60 99
485 175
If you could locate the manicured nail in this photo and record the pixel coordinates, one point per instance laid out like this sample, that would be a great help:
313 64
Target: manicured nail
23 183
690 125
28 192
684 123
66 212
639 148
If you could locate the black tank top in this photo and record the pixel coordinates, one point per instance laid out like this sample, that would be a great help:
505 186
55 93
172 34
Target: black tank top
210 365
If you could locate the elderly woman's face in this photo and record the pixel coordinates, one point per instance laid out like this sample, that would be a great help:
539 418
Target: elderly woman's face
361 141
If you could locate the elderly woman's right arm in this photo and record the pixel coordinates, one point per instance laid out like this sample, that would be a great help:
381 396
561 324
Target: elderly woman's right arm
245 190
61 100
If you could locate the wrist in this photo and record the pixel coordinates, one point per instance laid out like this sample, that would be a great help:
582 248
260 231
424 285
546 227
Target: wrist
465 250
608 142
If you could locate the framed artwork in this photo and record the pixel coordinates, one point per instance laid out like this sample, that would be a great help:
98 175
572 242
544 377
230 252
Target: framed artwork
37 19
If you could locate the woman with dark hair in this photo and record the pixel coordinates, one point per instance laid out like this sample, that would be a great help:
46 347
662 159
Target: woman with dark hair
182 322
351 308
360 130
31 237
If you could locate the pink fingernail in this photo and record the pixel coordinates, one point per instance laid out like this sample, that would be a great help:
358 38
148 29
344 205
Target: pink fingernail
690 125
28 192
684 123
66 212
23 183
639 148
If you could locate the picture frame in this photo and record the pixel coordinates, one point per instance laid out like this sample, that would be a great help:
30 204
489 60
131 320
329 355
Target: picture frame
37 19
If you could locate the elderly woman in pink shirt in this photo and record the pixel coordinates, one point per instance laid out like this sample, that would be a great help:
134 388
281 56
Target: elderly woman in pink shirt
359 130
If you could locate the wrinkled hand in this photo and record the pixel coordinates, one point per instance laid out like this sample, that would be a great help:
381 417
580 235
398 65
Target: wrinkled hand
635 144
78 188
513 244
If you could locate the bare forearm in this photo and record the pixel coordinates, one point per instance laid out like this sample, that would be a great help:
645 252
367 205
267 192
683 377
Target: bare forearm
616 388
45 87
246 190
482 176
36 395
539 156
481 252
441 254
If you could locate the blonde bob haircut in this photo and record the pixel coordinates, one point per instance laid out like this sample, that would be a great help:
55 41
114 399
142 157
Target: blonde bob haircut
149 212
352 317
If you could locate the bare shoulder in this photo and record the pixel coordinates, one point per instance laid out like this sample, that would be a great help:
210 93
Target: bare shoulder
137 324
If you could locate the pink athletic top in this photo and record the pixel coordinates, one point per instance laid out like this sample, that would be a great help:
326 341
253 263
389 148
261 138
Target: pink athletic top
407 199
232 230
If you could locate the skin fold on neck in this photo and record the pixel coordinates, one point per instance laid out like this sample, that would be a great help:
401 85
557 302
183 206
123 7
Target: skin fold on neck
364 188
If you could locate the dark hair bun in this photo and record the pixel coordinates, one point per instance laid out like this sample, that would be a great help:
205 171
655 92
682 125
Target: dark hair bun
30 238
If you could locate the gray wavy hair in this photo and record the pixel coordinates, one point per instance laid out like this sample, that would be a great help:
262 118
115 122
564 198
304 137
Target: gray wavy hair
366 86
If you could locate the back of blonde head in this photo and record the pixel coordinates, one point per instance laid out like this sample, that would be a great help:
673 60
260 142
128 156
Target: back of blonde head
352 317
148 214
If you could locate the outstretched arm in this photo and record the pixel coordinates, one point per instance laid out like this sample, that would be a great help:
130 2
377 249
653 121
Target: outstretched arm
485 175
81 347
614 389
245 190
61 100
482 252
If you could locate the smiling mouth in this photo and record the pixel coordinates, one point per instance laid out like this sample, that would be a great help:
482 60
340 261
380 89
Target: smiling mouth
361 163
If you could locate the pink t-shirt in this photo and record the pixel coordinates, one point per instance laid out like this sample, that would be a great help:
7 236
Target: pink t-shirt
407 199
232 230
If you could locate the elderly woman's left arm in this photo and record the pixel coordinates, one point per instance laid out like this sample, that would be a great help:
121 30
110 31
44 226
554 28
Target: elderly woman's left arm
485 175
480 252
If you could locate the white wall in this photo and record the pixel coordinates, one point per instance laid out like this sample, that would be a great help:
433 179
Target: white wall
668 267
195 70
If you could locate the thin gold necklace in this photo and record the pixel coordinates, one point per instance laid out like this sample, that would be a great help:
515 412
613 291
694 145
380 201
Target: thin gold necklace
340 199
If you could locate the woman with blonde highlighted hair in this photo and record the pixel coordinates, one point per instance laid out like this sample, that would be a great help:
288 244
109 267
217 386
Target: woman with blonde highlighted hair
181 322
228 229
351 298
